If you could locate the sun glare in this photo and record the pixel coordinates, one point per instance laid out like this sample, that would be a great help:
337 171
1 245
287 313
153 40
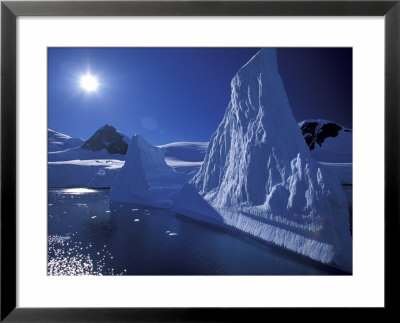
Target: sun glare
89 83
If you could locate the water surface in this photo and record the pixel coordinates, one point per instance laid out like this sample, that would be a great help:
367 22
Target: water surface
89 235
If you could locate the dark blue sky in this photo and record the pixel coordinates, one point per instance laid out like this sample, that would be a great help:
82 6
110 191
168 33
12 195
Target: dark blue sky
181 94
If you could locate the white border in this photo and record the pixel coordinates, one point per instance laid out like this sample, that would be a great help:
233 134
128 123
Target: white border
364 288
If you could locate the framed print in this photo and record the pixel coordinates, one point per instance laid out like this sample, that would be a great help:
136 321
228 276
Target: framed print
194 160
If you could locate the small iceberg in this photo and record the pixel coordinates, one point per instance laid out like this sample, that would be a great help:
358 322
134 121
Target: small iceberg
145 178
61 238
81 204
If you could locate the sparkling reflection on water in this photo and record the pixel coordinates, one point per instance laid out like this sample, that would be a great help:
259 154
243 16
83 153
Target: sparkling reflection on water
88 235
69 258
78 191
79 227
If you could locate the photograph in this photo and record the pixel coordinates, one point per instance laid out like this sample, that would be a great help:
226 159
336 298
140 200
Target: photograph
199 161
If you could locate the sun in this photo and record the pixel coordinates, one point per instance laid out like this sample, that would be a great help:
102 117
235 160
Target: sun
89 83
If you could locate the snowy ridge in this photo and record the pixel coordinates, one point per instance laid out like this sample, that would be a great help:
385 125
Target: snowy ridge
187 151
78 153
185 157
145 178
109 164
58 141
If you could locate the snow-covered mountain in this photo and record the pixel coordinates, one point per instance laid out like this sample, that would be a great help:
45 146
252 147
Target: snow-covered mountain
106 143
58 141
332 145
109 139
145 178
328 141
258 176
94 163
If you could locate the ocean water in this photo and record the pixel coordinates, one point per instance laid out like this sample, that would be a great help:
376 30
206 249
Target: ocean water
88 235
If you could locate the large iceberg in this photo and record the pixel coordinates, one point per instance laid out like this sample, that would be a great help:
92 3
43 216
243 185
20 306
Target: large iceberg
145 178
259 176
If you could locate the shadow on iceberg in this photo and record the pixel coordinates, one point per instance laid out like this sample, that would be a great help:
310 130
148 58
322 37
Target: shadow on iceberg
190 203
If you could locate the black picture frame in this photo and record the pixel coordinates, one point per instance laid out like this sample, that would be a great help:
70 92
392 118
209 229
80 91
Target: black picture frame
10 10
